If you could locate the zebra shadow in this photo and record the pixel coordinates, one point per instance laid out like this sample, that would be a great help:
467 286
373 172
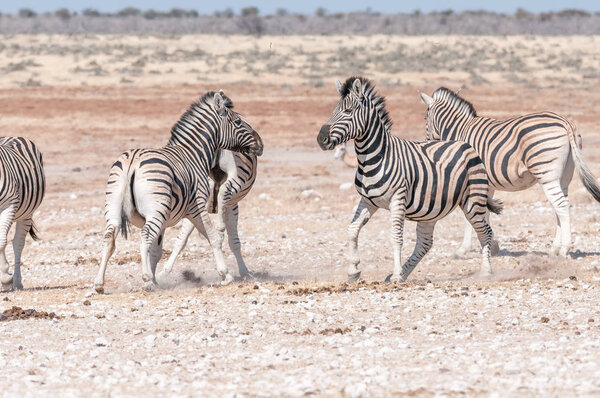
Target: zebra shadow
39 288
519 253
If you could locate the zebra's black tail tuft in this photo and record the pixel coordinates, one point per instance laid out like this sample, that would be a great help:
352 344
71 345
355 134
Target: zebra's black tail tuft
127 204
33 232
495 206
585 175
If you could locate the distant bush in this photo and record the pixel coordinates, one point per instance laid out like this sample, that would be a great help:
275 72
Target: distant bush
129 12
249 12
27 13
226 13
63 13
91 12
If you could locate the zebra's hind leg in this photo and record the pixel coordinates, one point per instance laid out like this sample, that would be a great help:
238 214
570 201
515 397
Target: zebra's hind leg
363 213
557 196
187 227
424 243
108 249
466 246
202 222
21 229
156 253
231 222
151 232
484 232
7 216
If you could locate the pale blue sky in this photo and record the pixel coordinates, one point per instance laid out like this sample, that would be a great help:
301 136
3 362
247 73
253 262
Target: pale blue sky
305 6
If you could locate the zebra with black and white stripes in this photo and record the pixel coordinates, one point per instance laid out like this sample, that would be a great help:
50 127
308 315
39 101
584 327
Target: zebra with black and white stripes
156 188
519 152
233 176
23 186
419 181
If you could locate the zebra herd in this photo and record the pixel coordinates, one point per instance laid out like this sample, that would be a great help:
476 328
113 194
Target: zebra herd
210 163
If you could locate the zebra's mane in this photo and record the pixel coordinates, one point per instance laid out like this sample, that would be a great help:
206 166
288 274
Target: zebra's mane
191 114
369 90
454 100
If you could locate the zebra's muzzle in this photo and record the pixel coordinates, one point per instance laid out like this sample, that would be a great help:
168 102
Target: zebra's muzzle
323 138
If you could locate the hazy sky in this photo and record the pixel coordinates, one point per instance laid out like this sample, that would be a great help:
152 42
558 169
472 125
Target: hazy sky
306 6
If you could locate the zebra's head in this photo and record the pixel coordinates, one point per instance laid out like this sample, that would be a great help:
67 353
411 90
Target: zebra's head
352 114
236 134
446 112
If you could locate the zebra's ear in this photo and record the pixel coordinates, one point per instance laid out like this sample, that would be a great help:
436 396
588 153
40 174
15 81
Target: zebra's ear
357 88
427 100
338 86
220 104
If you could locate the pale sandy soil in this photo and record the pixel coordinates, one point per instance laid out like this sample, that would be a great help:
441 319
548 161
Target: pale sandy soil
297 329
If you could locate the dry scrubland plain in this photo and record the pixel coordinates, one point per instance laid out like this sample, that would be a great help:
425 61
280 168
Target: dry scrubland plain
298 328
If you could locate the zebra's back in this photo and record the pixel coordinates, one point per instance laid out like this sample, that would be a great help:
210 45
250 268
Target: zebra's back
22 175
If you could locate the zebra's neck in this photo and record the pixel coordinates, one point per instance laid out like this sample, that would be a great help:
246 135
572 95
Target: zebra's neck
197 131
373 144
455 128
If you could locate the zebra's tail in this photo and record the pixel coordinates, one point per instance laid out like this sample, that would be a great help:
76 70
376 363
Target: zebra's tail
127 205
495 206
585 175
33 232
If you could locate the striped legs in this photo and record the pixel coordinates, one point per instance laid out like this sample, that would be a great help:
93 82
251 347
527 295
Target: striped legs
557 194
21 229
202 222
7 216
397 210
363 212
424 243
107 251
187 227
476 217
466 244
231 222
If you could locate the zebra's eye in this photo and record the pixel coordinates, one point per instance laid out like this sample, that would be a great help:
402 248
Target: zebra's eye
238 122
347 111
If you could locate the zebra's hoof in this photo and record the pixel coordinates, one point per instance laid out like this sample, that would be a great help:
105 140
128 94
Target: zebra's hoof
494 248
391 278
17 285
227 280
486 274
7 287
460 254
149 286
354 277
99 289
6 279
564 252
247 276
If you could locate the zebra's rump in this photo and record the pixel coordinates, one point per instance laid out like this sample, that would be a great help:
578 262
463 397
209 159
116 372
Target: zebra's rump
22 175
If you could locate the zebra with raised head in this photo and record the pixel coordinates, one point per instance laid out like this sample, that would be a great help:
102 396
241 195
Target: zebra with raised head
519 152
232 176
155 188
418 181
23 187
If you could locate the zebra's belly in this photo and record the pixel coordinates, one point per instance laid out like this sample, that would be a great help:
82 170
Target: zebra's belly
515 178
380 199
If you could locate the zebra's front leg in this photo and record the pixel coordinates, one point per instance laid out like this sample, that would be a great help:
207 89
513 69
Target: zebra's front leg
202 222
222 198
424 243
187 227
363 213
231 222
397 210
7 216
21 229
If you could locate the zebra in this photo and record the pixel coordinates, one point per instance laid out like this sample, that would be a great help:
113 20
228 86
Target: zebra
232 177
23 186
519 152
155 188
419 181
